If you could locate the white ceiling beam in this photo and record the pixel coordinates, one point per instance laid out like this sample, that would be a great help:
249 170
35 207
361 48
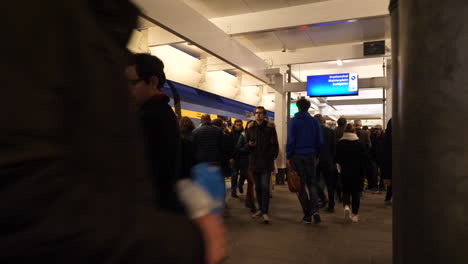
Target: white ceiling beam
184 22
215 64
364 83
295 16
158 37
346 51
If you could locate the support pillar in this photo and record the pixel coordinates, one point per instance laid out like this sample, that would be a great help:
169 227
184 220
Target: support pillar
431 182
281 111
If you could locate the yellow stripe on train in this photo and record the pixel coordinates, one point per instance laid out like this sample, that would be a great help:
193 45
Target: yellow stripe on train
197 115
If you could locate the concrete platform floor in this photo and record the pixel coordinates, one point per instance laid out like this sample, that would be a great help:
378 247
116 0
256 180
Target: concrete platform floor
288 240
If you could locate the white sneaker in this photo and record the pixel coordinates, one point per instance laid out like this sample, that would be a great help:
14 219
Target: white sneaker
257 214
354 218
347 212
266 219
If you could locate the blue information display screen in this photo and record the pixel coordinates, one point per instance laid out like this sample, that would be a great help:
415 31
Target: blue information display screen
332 85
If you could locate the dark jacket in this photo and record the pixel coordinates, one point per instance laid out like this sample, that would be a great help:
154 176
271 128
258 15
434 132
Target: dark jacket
187 156
387 155
328 150
377 149
162 137
207 143
228 146
234 138
75 185
262 156
304 135
242 150
351 156
364 138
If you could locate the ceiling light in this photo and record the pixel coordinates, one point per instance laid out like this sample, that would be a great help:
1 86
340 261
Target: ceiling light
339 62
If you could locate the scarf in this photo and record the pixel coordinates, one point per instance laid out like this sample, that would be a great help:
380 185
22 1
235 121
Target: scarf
349 136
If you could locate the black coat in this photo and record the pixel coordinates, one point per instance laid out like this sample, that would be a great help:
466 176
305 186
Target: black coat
242 151
75 187
262 156
207 143
364 138
187 156
377 149
351 156
162 136
387 155
233 139
328 149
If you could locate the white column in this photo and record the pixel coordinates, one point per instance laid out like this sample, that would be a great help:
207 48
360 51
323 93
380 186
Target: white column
281 122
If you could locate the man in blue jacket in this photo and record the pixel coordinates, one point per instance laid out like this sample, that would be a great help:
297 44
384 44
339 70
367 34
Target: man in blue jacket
302 151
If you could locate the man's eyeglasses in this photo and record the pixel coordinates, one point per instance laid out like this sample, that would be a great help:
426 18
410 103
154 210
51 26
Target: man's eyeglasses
259 113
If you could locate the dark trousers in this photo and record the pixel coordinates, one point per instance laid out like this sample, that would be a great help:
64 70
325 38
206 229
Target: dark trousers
389 194
238 170
262 188
308 196
380 178
328 172
352 199
371 174
321 185
339 186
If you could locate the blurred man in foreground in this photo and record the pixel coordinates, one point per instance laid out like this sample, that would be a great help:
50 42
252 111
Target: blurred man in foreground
75 185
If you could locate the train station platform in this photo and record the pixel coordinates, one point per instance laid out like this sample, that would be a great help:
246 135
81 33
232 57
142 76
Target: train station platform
288 240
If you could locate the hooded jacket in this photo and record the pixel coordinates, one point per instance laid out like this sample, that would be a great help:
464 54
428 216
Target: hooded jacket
305 135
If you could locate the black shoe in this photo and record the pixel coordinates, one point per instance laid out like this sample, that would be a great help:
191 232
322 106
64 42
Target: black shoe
241 189
307 220
317 218
234 195
330 210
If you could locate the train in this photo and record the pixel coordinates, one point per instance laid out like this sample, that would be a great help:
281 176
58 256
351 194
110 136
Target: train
193 103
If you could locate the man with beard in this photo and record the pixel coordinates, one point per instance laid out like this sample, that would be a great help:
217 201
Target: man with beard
262 140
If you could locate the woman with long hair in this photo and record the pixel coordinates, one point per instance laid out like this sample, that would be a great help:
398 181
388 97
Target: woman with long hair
186 127
351 156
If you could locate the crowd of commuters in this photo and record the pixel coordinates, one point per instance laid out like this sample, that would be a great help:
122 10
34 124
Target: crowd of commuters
124 182
344 159
333 165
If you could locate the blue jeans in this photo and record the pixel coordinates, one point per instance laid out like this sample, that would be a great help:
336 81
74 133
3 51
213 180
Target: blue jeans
308 196
262 188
